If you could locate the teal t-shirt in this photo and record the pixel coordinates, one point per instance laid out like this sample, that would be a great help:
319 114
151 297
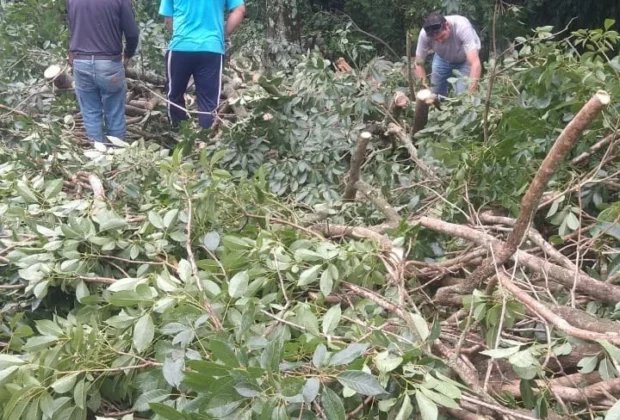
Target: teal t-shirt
197 25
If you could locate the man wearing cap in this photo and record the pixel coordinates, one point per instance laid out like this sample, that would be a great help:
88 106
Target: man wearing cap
456 45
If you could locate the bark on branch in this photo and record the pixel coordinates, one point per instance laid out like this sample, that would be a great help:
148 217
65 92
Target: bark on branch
585 284
550 316
529 203
356 164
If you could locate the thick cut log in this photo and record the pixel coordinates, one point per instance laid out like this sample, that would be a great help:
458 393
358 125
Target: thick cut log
58 76
423 99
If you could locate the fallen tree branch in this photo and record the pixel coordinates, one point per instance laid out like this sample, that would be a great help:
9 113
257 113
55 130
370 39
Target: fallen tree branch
586 395
595 148
536 238
550 316
375 196
529 203
398 132
585 284
355 232
356 163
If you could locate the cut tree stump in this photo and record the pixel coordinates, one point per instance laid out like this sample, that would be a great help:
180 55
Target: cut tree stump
423 99
58 76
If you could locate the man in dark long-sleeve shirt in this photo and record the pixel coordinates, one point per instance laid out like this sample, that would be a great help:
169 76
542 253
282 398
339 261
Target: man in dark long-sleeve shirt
96 54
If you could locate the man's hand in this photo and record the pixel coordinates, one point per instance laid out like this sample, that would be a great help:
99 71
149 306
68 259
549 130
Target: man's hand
126 62
473 87
70 58
227 45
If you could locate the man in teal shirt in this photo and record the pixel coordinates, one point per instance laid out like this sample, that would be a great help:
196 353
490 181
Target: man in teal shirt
197 47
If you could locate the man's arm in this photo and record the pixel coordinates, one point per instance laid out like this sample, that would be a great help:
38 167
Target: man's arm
234 19
473 58
166 9
130 29
421 52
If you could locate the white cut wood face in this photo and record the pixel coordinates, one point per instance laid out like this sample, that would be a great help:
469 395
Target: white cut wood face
52 71
426 95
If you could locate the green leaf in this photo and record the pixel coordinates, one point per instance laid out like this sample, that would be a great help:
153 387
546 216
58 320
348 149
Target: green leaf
606 369
318 358
7 372
53 187
48 327
156 220
81 291
501 353
170 217
166 411
572 221
143 333
184 270
26 193
326 283
238 284
152 396
7 360
223 404
527 393
587 364
331 319
271 356
38 343
211 241
386 363
439 398
64 384
125 298
307 255
79 394
248 390
607 25
346 356
311 389
361 382
222 352
309 275
112 223
428 409
614 412
172 370
332 405
406 409
612 350
420 325
307 319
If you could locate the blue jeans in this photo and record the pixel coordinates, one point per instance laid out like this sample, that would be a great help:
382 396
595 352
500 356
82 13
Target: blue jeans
100 89
442 71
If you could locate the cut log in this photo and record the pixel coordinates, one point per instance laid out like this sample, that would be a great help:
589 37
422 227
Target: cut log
58 76
423 99
148 78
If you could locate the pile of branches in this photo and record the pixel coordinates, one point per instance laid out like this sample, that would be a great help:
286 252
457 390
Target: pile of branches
510 260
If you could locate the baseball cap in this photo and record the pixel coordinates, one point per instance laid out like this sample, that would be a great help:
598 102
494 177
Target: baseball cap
433 24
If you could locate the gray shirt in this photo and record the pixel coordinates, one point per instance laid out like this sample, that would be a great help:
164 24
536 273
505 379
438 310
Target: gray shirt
463 39
97 27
